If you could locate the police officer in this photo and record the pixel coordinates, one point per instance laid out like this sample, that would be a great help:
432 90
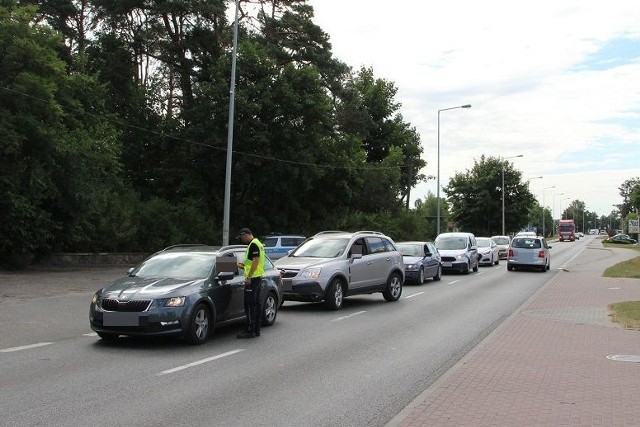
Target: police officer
253 266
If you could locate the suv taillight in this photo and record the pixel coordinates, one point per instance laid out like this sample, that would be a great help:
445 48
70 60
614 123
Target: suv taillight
541 254
510 253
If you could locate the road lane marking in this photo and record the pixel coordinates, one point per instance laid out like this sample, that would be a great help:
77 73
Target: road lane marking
199 362
348 316
413 295
24 347
451 283
90 334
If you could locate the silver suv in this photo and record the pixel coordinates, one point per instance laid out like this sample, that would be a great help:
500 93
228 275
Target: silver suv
335 264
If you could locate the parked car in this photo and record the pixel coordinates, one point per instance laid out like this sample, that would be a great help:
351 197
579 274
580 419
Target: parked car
421 261
487 251
183 290
278 245
503 245
335 264
458 251
621 238
529 252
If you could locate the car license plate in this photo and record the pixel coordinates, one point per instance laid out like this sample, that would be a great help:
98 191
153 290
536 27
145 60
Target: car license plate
110 318
447 264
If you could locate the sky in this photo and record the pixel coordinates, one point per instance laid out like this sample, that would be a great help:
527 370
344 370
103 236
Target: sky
557 82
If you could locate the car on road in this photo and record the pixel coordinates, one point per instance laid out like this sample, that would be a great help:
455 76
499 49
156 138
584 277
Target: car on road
503 245
621 238
529 252
421 261
182 290
488 251
277 245
458 251
332 265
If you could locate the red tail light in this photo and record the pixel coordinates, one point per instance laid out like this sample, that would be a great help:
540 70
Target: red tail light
541 254
510 253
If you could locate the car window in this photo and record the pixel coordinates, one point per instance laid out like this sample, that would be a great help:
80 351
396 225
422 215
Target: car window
410 250
270 242
483 243
289 241
527 243
322 248
389 245
177 265
449 243
376 245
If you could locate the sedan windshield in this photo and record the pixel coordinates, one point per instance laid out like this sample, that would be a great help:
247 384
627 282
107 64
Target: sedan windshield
483 243
410 250
501 240
177 265
321 248
449 243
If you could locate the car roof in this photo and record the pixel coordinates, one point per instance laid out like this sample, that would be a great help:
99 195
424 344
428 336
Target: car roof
330 233
414 242
197 247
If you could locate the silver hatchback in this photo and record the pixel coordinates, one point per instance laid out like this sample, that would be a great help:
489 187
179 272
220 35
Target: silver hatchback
529 252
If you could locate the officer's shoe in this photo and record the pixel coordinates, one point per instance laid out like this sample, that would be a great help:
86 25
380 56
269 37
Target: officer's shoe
257 334
246 334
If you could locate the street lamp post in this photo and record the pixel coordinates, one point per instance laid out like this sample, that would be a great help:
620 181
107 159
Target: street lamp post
438 174
562 213
543 208
553 207
512 157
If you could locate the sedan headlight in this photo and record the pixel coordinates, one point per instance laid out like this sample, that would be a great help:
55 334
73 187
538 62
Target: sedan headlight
311 273
461 257
410 266
96 298
487 252
174 302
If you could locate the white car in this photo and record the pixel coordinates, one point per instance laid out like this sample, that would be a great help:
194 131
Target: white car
488 251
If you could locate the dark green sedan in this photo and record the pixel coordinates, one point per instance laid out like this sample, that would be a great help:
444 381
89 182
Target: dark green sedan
183 290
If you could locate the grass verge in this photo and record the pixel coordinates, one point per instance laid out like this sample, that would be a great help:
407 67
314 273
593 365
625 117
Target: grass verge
625 313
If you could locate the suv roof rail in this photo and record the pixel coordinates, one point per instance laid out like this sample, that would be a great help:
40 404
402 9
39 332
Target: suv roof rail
369 232
331 232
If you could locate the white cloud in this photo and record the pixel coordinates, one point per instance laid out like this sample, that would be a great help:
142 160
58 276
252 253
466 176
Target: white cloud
530 73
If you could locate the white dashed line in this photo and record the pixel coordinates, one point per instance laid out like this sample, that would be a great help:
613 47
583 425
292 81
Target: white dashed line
413 295
350 315
24 347
91 334
199 362
451 283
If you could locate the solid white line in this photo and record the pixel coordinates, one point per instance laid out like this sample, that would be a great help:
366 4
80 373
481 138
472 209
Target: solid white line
413 295
24 347
199 362
91 334
451 283
350 315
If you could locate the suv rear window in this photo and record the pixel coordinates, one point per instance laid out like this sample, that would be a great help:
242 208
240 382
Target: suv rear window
526 243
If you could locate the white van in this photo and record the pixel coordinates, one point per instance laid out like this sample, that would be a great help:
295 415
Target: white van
458 252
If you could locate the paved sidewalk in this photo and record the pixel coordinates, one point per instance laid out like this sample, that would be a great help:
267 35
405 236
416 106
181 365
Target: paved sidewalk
547 365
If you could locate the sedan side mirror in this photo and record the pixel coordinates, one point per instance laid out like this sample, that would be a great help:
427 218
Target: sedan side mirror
223 276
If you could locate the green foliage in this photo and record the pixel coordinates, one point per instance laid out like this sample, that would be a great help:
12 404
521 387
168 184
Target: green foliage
114 116
475 198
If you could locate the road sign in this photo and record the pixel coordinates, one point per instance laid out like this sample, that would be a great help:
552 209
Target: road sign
633 226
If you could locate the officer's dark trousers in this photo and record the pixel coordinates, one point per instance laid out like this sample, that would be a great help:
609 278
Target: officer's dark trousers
252 309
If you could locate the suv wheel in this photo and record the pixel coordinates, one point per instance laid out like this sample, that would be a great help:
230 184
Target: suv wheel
393 289
335 295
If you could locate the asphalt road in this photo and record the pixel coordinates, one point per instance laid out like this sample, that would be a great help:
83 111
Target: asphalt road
358 366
